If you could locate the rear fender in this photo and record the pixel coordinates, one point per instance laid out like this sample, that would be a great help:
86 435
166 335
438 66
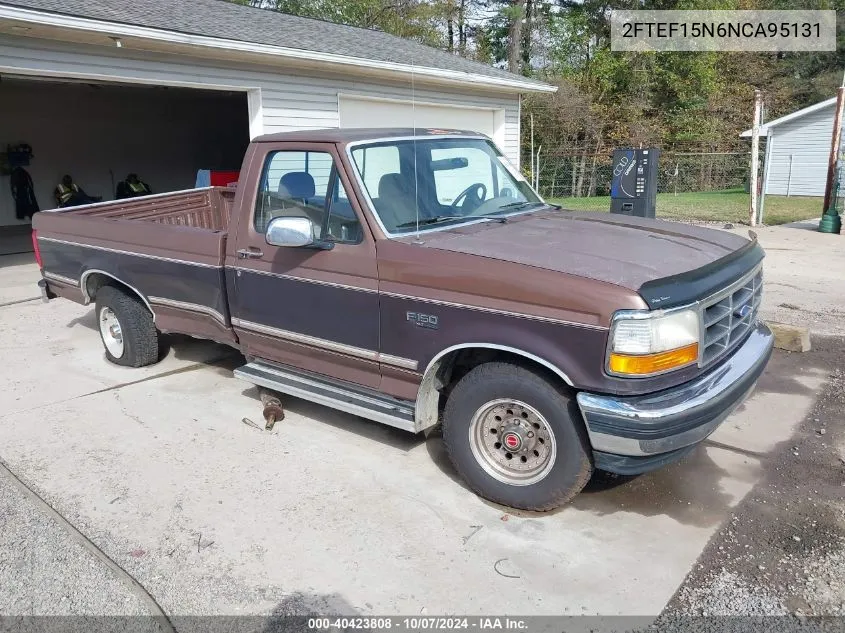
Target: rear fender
94 278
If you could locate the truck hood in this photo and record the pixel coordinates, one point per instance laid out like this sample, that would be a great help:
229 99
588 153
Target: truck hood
622 250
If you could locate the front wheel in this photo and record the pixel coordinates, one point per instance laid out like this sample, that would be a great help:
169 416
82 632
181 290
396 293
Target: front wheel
126 328
516 438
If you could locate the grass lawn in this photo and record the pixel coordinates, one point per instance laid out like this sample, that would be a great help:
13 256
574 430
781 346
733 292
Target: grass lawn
716 206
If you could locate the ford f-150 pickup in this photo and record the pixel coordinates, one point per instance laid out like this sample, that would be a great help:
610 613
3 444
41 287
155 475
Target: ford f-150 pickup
414 278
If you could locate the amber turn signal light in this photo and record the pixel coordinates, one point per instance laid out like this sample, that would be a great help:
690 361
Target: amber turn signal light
646 364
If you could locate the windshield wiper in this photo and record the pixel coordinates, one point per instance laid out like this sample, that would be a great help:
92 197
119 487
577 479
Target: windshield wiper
445 218
513 206
518 205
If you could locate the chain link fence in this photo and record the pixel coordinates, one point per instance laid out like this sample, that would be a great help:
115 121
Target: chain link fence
695 185
709 186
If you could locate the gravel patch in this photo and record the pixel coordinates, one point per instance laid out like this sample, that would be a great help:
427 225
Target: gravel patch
728 593
45 571
782 553
192 587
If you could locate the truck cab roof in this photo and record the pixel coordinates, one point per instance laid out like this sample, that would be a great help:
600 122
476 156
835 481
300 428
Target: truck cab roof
351 135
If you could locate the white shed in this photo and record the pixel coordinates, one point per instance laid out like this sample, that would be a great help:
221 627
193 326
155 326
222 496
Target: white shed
797 151
102 88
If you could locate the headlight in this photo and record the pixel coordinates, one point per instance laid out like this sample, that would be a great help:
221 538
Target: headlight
647 343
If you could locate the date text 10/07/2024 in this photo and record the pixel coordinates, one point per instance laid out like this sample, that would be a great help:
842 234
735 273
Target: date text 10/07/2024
417 623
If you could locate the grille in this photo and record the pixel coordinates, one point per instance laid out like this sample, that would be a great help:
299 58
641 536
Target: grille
728 317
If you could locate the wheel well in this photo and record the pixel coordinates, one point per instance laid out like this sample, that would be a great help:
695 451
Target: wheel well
93 281
456 364
445 372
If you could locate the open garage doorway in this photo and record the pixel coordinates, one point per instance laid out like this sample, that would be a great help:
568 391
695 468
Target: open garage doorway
100 132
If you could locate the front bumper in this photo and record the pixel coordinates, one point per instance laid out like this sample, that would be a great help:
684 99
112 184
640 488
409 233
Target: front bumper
639 433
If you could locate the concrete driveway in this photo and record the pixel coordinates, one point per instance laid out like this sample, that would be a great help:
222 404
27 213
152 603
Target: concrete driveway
126 491
804 283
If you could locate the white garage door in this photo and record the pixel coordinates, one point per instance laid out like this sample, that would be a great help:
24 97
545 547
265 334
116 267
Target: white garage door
365 112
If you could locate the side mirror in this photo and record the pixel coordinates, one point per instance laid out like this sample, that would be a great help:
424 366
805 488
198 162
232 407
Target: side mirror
294 232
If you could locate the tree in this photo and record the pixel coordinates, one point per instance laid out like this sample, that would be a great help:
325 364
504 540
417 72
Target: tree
605 98
515 14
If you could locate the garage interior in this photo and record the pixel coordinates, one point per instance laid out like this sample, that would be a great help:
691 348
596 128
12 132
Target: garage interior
100 132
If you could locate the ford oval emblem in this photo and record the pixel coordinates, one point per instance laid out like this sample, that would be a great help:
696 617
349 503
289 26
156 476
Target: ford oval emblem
743 311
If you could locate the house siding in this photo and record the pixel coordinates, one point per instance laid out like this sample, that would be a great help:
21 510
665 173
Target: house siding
805 143
289 100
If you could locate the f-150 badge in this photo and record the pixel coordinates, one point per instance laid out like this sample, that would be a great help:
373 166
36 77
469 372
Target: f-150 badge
429 321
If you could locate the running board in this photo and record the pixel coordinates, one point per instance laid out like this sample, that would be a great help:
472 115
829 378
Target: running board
336 394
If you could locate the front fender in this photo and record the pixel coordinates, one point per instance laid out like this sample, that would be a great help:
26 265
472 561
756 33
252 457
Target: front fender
573 351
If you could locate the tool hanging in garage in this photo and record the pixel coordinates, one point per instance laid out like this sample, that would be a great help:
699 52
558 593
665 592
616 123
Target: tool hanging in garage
23 193
20 181
132 187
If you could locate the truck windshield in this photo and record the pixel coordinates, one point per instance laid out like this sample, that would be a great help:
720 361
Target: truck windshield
431 182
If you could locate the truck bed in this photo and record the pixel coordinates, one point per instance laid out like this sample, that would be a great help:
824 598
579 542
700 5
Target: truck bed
187 225
207 208
169 248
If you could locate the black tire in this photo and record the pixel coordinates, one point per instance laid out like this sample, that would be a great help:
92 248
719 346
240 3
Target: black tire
140 338
572 466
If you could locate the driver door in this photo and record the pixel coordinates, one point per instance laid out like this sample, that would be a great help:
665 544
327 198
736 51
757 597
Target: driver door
310 308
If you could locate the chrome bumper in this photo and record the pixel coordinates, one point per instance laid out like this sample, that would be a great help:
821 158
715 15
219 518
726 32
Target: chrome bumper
681 416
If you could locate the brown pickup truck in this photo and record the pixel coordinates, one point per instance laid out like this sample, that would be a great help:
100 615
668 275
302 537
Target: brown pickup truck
414 278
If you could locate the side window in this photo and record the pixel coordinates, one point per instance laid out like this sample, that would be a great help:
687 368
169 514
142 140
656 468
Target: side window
342 224
297 183
450 182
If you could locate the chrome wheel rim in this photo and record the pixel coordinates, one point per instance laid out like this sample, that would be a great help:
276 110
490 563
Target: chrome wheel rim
111 332
512 442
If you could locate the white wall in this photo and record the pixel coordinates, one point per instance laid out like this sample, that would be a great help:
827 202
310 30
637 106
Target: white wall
164 135
289 100
356 111
807 140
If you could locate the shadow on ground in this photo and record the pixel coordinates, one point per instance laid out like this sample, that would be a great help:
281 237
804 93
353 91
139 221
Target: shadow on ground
348 423
182 346
88 320
293 614
17 258
199 351
688 491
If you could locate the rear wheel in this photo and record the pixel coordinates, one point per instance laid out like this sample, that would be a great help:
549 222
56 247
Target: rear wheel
126 328
516 438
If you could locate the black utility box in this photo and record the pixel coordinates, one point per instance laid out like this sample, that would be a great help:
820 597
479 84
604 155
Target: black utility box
633 190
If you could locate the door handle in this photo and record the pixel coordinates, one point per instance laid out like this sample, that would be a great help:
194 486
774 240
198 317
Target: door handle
250 253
